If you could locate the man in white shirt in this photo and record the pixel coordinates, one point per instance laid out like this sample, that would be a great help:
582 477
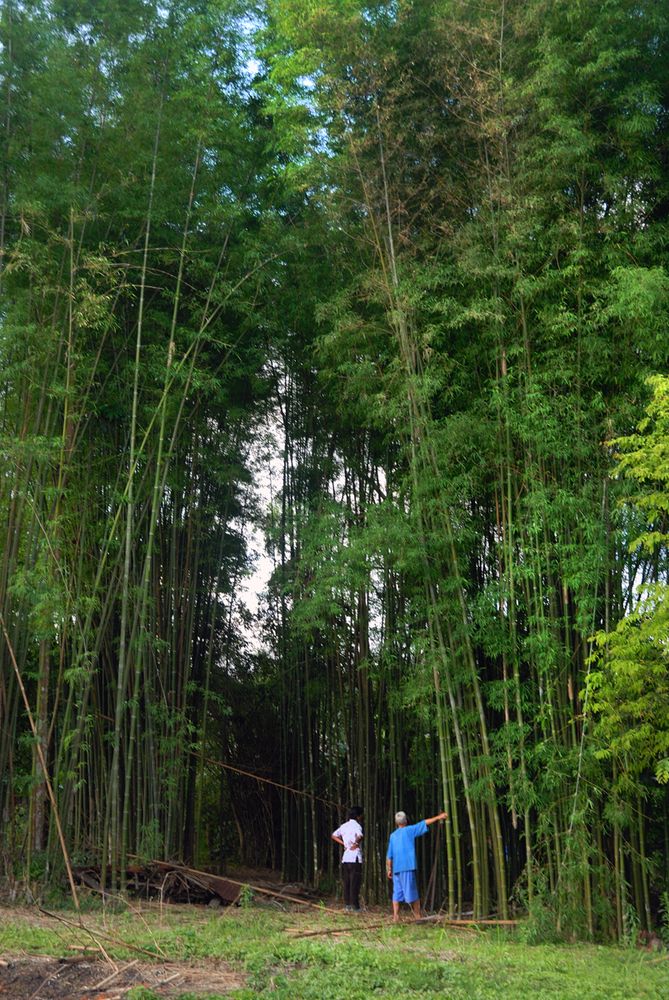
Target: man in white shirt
349 835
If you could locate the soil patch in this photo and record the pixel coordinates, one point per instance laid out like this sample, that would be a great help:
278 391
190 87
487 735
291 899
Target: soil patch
36 977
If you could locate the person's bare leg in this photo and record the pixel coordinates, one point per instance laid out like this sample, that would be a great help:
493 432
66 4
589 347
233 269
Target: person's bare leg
396 912
415 906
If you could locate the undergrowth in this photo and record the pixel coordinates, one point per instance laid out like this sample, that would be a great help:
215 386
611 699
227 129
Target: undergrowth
408 961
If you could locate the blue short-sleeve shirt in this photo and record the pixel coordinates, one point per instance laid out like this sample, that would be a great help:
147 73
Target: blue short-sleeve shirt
402 846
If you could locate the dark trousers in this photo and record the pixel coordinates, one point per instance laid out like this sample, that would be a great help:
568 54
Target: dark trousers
351 873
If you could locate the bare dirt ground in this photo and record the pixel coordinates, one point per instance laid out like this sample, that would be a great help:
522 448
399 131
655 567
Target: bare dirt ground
79 972
36 977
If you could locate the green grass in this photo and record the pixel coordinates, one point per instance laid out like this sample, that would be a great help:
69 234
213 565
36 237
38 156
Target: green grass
405 961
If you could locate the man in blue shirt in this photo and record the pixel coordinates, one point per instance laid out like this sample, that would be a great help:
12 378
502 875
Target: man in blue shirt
401 862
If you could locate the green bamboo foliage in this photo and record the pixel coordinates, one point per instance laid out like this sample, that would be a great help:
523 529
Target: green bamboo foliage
481 180
116 386
423 245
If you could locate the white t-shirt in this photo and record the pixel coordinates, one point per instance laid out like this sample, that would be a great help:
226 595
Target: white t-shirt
349 833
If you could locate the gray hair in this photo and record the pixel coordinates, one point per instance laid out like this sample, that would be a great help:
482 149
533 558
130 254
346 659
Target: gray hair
401 818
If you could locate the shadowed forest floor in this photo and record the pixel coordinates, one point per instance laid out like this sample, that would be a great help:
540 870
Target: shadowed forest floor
257 951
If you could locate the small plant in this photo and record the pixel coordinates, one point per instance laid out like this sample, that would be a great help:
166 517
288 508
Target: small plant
663 929
631 926
246 897
150 841
142 993
540 927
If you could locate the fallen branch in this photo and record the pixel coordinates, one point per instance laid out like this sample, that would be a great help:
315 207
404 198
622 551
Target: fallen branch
103 982
82 927
126 902
95 934
170 979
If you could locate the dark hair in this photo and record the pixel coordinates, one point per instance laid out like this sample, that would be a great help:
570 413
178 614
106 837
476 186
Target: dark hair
355 812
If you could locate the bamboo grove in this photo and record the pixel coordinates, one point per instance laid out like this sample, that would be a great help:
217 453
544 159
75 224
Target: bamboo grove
386 283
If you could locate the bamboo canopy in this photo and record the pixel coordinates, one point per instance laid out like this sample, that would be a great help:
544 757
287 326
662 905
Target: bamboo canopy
334 409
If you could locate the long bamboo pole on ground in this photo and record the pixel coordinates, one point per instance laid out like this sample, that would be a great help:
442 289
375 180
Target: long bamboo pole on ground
435 919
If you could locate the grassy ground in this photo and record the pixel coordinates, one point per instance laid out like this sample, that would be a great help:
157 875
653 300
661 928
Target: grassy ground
427 960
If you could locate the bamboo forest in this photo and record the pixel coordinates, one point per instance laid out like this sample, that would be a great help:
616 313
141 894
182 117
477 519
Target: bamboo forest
334 430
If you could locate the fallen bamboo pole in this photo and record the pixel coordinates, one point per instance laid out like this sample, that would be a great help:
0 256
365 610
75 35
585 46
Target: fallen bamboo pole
359 926
480 923
436 919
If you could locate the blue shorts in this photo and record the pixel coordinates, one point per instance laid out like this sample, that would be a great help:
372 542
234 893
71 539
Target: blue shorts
405 887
